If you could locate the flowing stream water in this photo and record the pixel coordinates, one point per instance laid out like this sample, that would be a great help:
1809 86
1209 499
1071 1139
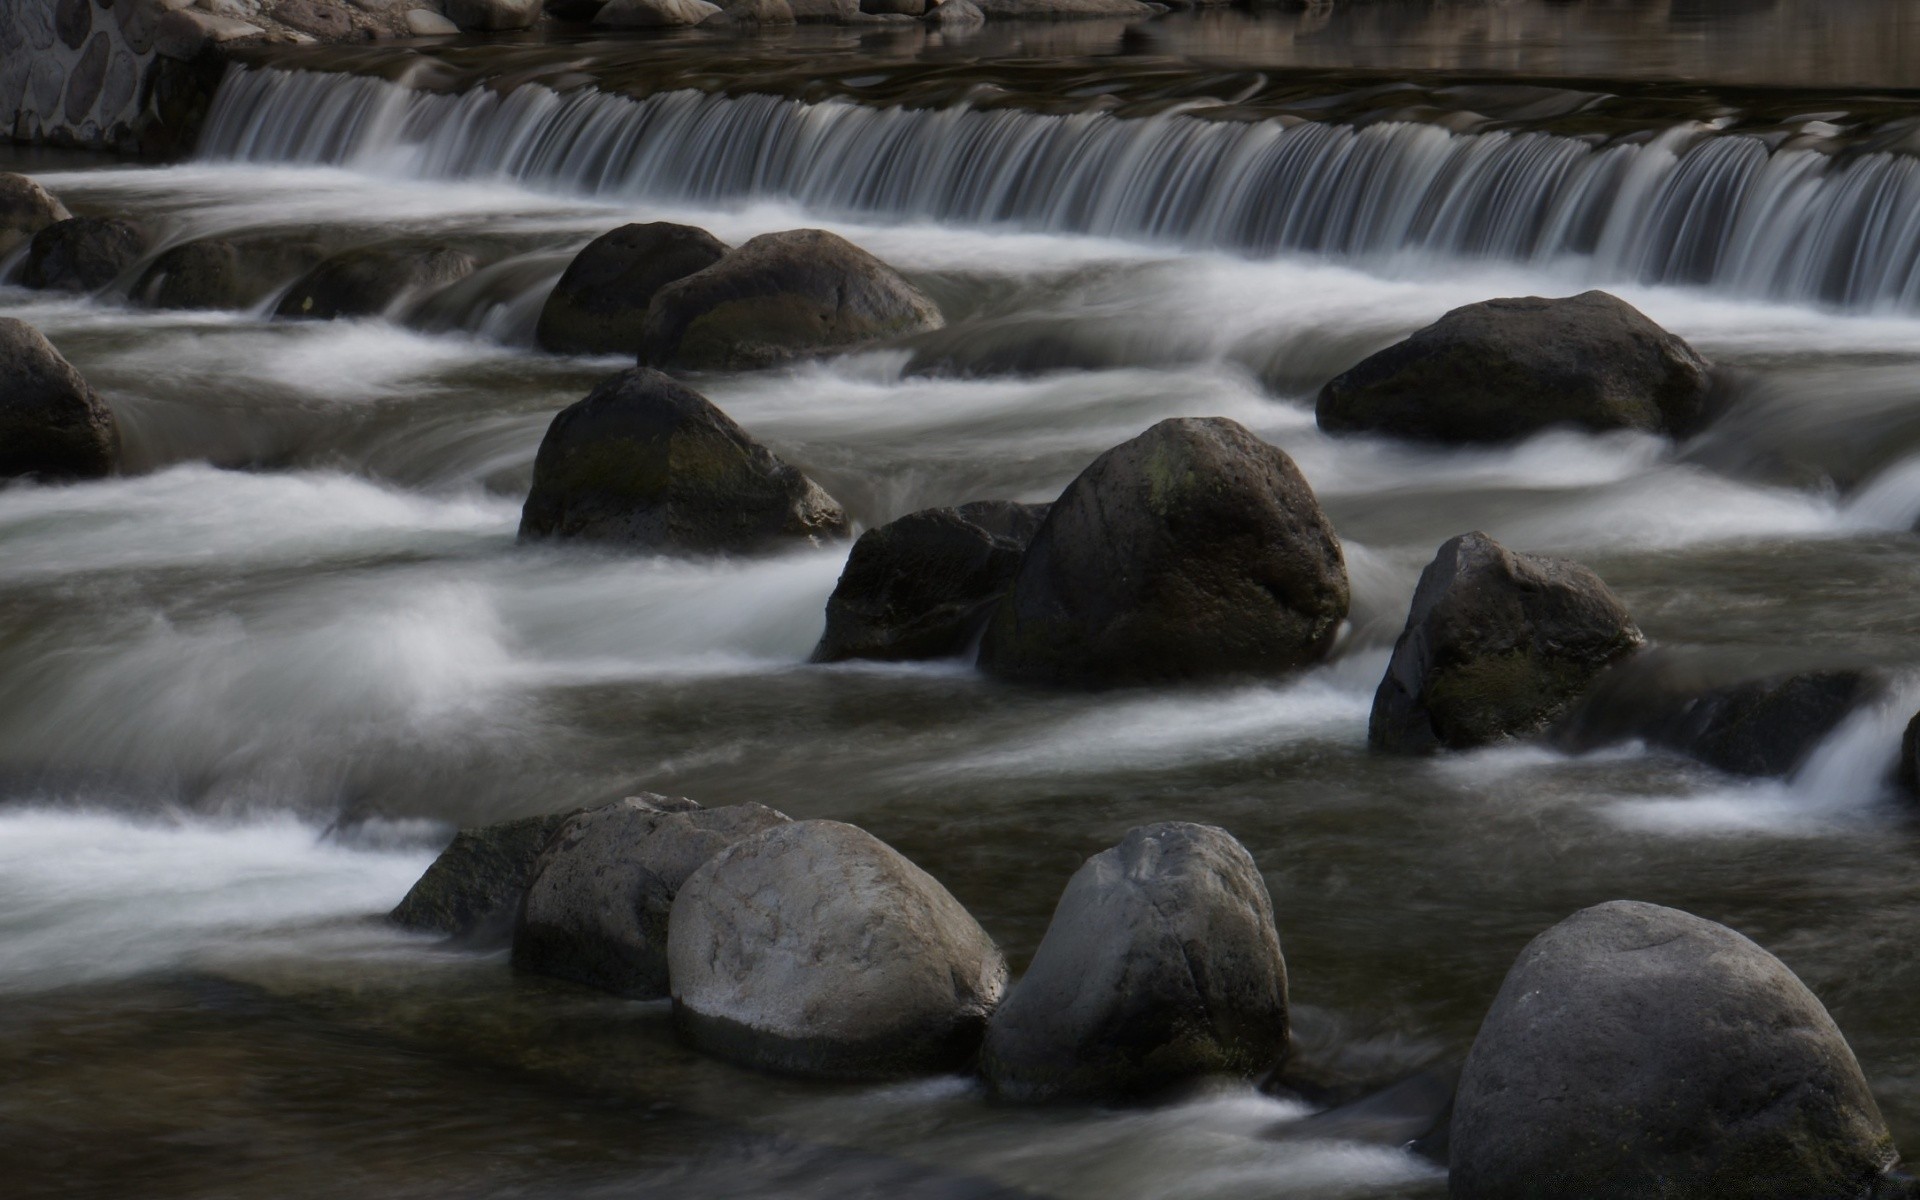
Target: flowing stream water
248 687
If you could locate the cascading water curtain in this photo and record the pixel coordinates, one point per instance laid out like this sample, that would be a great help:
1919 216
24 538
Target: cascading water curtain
1688 207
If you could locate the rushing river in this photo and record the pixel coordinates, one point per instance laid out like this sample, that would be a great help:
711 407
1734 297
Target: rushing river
248 687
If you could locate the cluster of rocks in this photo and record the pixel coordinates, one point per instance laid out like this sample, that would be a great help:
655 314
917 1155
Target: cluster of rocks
656 14
1632 1050
813 948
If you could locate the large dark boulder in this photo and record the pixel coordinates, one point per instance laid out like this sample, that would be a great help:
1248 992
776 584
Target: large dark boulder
473 891
1161 963
596 912
1504 369
82 254
1638 1051
1744 722
600 304
52 425
1497 645
646 461
1194 550
25 209
814 948
370 280
920 587
224 273
781 296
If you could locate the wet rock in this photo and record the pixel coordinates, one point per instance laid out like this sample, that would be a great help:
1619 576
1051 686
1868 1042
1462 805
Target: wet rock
493 16
814 948
52 425
921 586
650 14
224 273
1762 725
758 12
1194 550
1161 963
781 296
422 23
183 33
25 209
82 254
958 14
596 912
473 891
1505 369
372 280
1639 1051
324 21
1497 645
1908 772
835 11
600 304
1058 10
646 461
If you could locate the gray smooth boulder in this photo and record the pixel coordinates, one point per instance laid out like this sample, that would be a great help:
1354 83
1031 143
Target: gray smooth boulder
600 304
781 296
493 16
1161 963
1060 10
82 254
1194 550
370 280
814 948
921 586
473 891
1497 645
53 426
25 209
1637 1051
654 14
596 912
647 461
1505 369
224 273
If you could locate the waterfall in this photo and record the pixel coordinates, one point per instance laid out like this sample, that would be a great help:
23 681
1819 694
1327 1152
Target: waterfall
1688 206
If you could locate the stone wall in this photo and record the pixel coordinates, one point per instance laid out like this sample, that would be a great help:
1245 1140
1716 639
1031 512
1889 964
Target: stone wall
76 72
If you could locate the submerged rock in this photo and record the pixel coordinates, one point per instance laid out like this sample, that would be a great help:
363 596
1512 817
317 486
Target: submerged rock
370 280
1763 725
1194 550
814 948
596 912
1505 369
1638 1051
646 461
224 273
1161 963
473 891
25 209
53 426
1497 645
920 587
781 296
600 304
82 254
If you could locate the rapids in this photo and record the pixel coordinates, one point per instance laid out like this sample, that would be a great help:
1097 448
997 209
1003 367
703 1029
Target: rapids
251 685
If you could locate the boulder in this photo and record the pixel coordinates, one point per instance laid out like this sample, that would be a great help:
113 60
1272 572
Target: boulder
781 296
1908 771
1161 964
654 14
1194 550
473 891
646 461
904 8
758 12
1738 720
426 23
224 273
321 20
52 425
596 912
1061 10
600 304
372 280
82 254
814 948
835 11
25 209
957 14
1498 645
1505 369
921 586
492 16
1638 1051
184 32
